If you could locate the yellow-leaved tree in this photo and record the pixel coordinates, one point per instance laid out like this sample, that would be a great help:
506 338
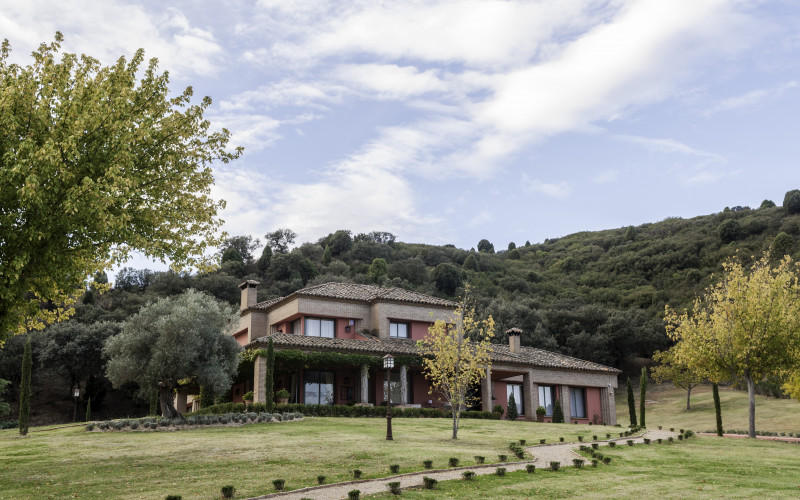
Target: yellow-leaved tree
681 376
455 356
744 328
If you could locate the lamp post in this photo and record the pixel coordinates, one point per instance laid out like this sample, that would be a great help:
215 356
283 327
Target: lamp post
388 363
76 394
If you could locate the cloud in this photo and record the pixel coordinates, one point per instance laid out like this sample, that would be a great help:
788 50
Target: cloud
750 99
669 146
606 176
389 81
559 190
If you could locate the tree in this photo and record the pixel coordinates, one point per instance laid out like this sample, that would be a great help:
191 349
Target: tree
558 412
781 245
455 356
631 404
512 246
642 396
5 408
470 263
25 389
265 260
767 204
98 161
241 246
743 328
717 407
485 246
270 376
339 242
670 370
513 413
378 270
327 256
447 278
173 339
791 201
280 240
729 230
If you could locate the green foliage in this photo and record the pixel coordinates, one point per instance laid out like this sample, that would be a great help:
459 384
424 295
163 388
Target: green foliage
513 413
717 408
327 256
729 230
269 383
88 410
447 278
5 408
631 404
173 339
485 246
470 263
791 202
781 246
25 389
642 396
280 240
378 270
99 161
767 204
558 412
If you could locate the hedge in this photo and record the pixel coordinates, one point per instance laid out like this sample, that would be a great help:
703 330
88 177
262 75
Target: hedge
343 411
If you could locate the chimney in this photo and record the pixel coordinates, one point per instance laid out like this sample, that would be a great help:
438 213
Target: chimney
513 339
249 289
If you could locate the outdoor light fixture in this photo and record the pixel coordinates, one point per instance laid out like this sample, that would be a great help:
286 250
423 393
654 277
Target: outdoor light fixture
76 394
388 363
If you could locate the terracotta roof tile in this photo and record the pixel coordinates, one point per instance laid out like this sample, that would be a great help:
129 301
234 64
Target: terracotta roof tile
362 293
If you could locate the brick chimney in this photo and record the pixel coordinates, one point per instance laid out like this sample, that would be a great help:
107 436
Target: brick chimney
249 291
513 339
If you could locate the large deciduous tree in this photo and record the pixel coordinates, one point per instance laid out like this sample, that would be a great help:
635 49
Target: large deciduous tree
681 376
173 339
96 162
744 328
456 355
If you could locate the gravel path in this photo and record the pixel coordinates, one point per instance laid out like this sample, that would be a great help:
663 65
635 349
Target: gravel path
542 456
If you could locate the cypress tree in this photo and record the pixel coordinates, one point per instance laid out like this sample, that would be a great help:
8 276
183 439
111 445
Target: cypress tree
631 404
642 393
88 410
25 389
512 413
717 408
270 382
326 256
206 397
558 413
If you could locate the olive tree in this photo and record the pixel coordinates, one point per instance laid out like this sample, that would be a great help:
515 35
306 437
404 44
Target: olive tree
175 338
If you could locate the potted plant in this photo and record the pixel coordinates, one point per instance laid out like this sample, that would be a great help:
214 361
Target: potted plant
282 396
248 398
540 413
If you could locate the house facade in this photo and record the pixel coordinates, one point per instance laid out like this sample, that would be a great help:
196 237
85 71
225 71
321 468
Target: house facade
368 322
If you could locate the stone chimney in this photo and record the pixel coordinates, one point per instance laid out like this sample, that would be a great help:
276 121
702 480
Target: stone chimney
249 292
513 339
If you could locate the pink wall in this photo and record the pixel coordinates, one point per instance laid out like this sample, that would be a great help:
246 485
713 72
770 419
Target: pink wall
419 329
593 406
501 398
241 337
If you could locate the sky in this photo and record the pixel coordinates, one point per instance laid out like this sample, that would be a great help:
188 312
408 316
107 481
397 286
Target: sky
453 121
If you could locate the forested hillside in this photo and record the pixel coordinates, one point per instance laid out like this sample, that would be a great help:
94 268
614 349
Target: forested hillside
595 295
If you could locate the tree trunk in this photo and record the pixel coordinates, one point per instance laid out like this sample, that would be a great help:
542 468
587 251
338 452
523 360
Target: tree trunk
689 399
455 422
165 401
717 408
751 396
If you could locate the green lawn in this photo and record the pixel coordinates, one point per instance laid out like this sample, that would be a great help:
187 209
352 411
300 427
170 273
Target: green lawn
69 462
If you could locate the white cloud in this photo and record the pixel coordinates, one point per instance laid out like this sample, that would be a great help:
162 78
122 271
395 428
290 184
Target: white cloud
750 99
558 190
389 81
669 146
606 176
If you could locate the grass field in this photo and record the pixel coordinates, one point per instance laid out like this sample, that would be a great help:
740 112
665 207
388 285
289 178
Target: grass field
69 462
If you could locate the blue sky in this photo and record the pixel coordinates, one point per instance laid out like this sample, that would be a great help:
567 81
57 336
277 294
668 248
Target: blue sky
448 122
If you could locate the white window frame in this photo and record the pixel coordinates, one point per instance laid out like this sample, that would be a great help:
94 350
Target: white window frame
310 331
574 393
394 328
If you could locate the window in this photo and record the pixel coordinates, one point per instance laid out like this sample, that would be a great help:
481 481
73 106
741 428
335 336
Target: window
318 327
295 327
399 330
546 398
516 389
318 388
396 389
577 402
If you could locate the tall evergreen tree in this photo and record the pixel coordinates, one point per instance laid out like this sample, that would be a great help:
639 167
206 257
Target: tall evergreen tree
558 412
25 389
270 382
631 404
717 408
513 412
642 394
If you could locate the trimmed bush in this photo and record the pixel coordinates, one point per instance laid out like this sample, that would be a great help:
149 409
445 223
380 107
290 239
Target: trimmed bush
279 484
500 471
594 462
522 442
394 487
660 440
394 468
356 474
429 483
354 495
320 479
173 497
519 452
606 460
561 439
595 446
228 491
479 459
580 439
630 442
453 462
608 435
428 464
577 463
542 441
670 439
554 466
530 468
612 444
503 458
646 441
468 475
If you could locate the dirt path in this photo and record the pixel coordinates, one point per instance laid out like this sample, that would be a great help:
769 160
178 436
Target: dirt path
542 456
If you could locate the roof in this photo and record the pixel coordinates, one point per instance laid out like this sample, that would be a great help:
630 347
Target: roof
361 293
527 356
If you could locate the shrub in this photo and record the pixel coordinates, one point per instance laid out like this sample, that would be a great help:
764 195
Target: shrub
558 413
630 442
577 463
594 462
428 464
680 437
606 460
542 441
278 484
394 468
89 427
612 444
660 440
580 438
522 442
594 437
672 429
354 495
691 433
479 459
394 487
595 446
500 471
468 475
320 479
554 466
453 462
682 431
561 439
172 497
530 468
520 453
356 474
228 491
429 483
646 441
608 435
512 412
670 439
503 458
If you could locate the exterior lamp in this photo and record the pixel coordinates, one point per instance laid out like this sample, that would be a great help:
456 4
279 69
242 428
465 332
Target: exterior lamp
388 363
76 395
